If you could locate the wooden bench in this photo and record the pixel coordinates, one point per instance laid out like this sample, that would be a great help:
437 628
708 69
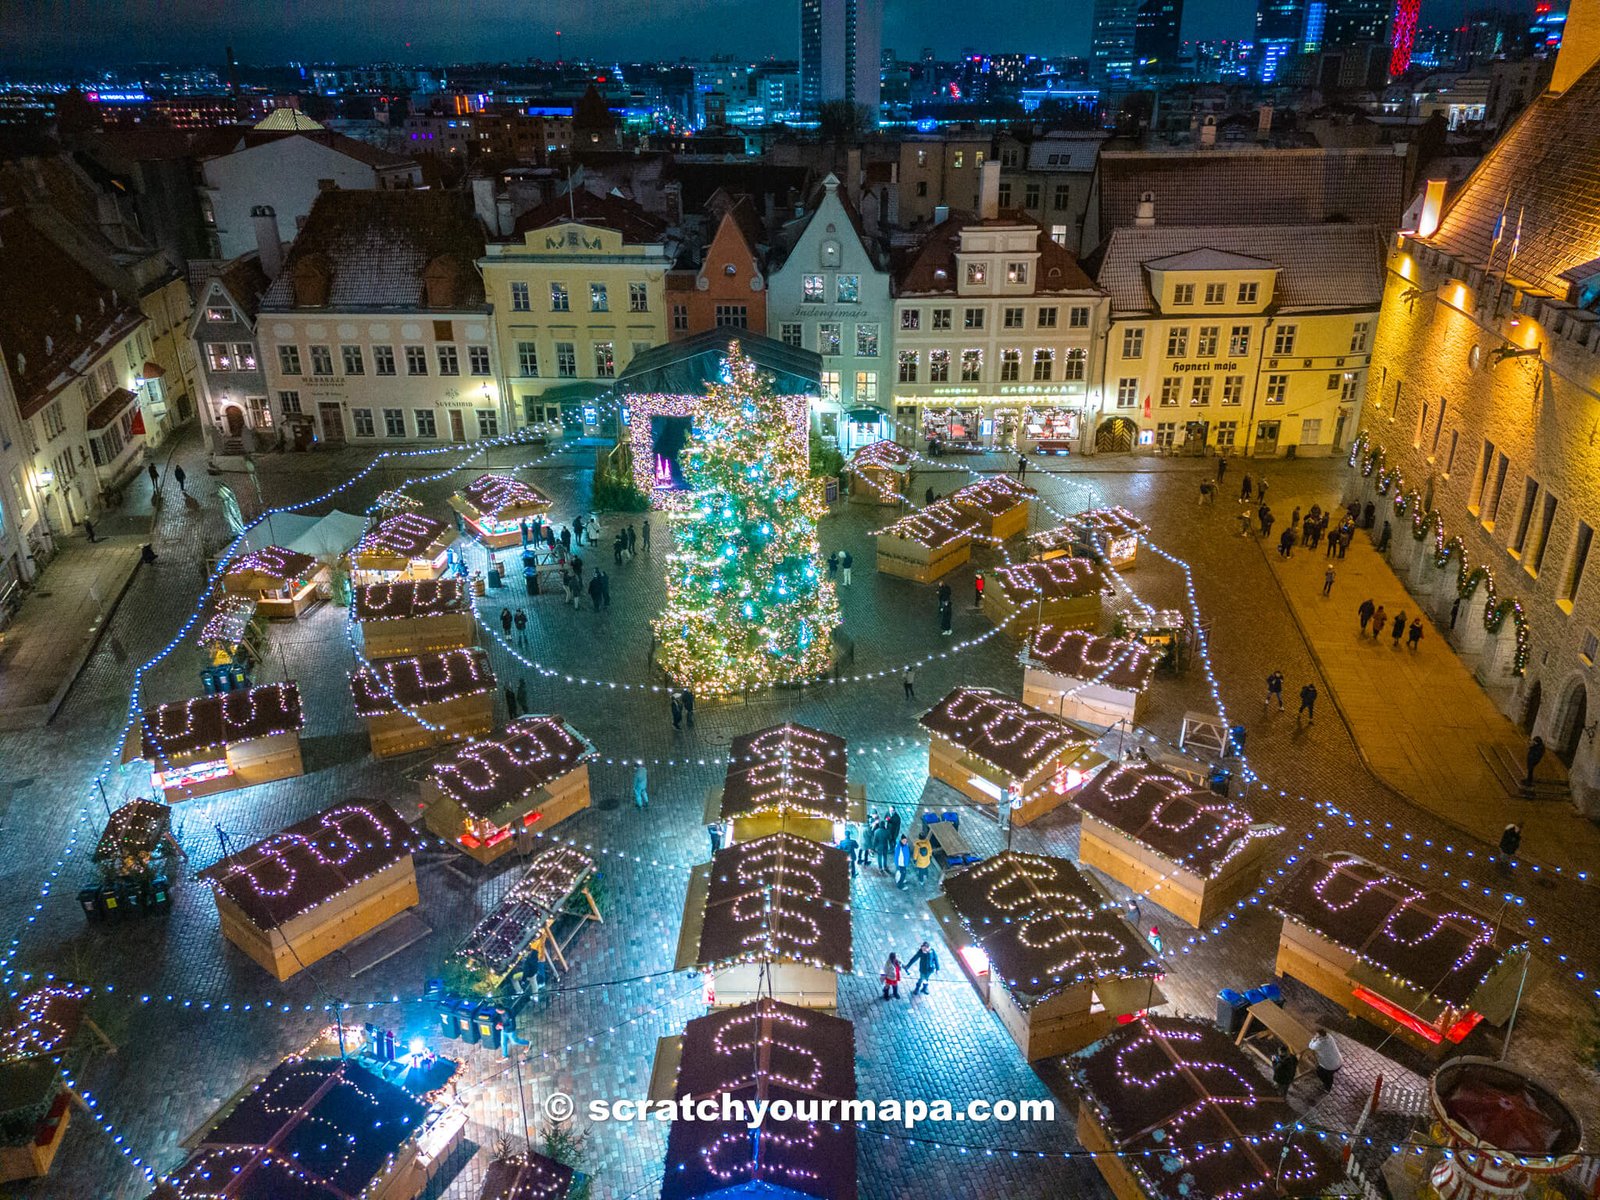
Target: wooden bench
951 842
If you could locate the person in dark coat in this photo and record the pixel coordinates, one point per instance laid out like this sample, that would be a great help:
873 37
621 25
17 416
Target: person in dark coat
927 496
1222 469
605 590
644 535
1274 690
594 590
1308 704
880 845
505 621
566 540
688 705
892 824
179 476
633 540
1266 524
522 695
946 613
1246 488
926 962
1365 613
511 703
1511 841
1414 634
520 620
1397 629
677 712
1535 756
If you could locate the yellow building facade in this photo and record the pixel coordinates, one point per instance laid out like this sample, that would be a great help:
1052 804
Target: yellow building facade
574 302
1245 341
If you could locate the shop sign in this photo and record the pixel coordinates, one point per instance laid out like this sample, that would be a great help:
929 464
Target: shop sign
1041 389
955 391
1206 365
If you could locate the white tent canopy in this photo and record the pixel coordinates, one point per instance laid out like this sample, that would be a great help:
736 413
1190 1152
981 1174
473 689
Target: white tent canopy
323 538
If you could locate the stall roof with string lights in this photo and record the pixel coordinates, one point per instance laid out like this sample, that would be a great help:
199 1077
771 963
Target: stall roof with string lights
788 778
138 828
36 1029
1065 592
312 1129
1189 850
779 906
926 544
527 1176
1085 676
282 582
453 691
998 502
405 543
1411 961
762 1051
542 912
1173 1110
413 616
305 891
883 473
996 750
1048 950
494 507
1109 534
533 775
217 743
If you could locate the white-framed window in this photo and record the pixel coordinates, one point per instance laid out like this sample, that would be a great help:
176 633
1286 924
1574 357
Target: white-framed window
1076 366
866 387
941 319
566 360
383 360
598 300
971 365
1133 343
219 358
289 360
1044 364
1171 386
1216 293
938 366
1239 341
1349 385
560 301
866 341
848 288
321 360
361 419
832 387
427 427
416 360
217 313
829 336
1277 389
792 333
478 360
528 360
1248 292
972 319
680 318
1058 234
1227 433
1010 366
1360 336
813 289
907 362
1011 317
1078 316
394 422
1200 391
488 423
1183 293
911 319
638 297
244 356
1127 392
520 299
1233 389
289 403
449 360
354 361
1016 272
605 360
1166 433
977 274
1178 342
1283 339
1205 344
1048 315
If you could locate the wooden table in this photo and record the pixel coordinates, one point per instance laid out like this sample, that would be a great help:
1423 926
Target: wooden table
1278 1023
951 842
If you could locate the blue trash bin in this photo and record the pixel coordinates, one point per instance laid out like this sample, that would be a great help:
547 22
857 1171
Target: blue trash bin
1272 992
1231 1007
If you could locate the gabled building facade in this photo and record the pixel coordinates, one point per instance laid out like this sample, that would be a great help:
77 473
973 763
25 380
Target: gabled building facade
377 330
236 411
576 293
831 294
728 287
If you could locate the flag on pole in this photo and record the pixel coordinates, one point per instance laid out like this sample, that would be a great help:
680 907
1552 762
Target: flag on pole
1147 406
1516 238
1499 225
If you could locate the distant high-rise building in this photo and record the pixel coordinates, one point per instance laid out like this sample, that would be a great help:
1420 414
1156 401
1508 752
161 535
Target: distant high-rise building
1111 42
1357 23
1549 19
840 44
1403 33
1280 26
1156 34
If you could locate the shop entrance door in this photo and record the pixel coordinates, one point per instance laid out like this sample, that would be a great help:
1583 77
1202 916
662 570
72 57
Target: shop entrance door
1266 438
332 424
458 428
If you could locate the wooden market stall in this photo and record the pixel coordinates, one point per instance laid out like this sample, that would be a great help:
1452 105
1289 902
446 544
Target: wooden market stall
760 1052
282 582
1056 542
319 1128
1190 851
1109 535
999 752
787 779
1065 592
36 1029
1413 962
1171 1109
425 700
228 637
1047 950
883 473
1086 677
997 502
495 507
531 777
539 917
527 1176
926 544
413 616
779 904
137 857
405 545
217 743
299 895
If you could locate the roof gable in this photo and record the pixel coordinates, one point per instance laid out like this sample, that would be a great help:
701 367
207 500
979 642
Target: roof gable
1207 258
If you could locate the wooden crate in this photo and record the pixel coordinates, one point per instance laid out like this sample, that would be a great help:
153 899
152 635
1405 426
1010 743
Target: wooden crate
912 560
259 760
793 983
1114 1169
1076 700
1067 612
1187 895
458 719
34 1159
311 936
418 635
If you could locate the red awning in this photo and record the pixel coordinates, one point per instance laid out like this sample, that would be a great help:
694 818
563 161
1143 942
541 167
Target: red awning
152 370
138 424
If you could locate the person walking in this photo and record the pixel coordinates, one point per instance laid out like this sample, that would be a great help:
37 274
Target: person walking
677 712
1022 466
88 531
594 530
1286 543
926 963
520 620
1535 757
641 787
1345 534
644 535
1274 690
1414 634
922 855
1222 469
845 563
1327 582
1329 1060
688 706
522 695
1396 629
155 477
909 681
902 860
594 590
1246 488
1380 620
618 545
633 539
1308 704
179 477
977 590
1365 613
850 847
1510 843
891 977
946 614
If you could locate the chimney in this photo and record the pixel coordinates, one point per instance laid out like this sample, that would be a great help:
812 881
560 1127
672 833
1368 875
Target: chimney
1264 120
1580 45
1432 206
852 175
483 204
989 190
1208 134
503 222
1145 216
265 219
439 282
941 213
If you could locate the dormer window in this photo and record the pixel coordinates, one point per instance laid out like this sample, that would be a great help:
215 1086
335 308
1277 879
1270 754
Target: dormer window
1183 293
977 274
1016 272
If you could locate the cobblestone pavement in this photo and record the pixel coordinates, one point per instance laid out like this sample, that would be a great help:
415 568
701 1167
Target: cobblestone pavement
194 1020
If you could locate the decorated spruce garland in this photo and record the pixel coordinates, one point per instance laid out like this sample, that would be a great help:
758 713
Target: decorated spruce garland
1372 458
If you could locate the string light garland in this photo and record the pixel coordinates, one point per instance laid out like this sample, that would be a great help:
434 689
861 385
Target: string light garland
788 768
747 605
498 940
1010 736
993 495
278 566
230 622
409 599
527 1176
207 723
1056 579
40 1023
932 527
882 455
779 897
390 685
408 537
1115 662
503 498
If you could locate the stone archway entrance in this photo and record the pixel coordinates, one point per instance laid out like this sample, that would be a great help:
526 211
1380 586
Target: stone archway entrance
1530 711
1116 435
233 415
1571 719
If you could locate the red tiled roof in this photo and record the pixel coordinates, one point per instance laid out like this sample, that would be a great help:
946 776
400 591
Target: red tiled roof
611 212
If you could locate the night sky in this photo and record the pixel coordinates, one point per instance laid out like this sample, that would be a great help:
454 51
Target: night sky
38 33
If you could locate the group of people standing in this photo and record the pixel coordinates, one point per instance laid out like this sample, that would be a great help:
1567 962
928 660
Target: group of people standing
1376 618
883 842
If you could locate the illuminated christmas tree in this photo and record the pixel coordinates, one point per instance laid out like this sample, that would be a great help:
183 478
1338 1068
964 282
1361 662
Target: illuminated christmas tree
748 605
